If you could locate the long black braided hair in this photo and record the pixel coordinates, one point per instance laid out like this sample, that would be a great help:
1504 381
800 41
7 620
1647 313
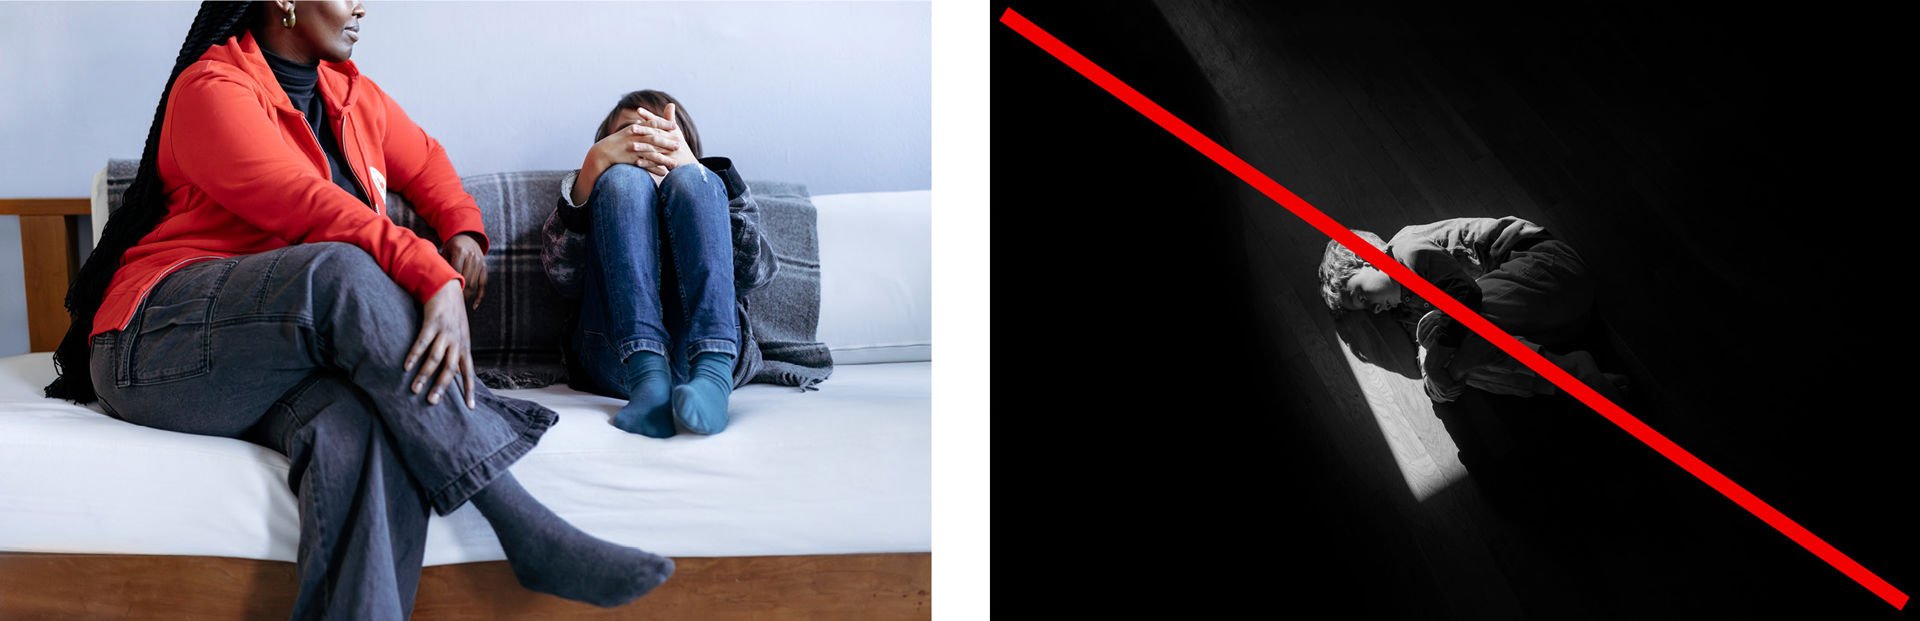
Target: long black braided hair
139 213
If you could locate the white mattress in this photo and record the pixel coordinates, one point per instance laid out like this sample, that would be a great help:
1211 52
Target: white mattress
846 469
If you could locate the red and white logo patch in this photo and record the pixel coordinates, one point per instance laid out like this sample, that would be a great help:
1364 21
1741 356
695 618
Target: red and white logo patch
379 181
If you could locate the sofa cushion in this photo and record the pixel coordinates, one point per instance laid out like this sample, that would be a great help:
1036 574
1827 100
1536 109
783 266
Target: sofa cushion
520 325
877 287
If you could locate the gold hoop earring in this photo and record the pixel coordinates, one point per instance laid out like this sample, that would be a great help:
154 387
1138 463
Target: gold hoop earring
290 19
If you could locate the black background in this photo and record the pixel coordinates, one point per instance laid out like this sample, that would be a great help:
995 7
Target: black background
1156 452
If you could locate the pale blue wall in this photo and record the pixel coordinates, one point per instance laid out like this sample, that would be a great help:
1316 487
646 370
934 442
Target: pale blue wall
836 95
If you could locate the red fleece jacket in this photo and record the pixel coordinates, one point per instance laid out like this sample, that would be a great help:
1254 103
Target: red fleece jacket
244 174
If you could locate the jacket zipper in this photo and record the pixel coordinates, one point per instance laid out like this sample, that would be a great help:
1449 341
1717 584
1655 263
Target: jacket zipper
358 177
305 122
340 136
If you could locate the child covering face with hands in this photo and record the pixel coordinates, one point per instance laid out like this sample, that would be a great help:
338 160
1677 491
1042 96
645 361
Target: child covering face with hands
659 245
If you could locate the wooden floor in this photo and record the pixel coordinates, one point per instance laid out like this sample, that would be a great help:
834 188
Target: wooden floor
1669 150
82 586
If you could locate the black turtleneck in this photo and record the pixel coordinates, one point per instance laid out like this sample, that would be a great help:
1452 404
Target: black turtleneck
301 82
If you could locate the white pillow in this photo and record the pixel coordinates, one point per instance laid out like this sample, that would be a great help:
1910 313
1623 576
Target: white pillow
876 276
99 204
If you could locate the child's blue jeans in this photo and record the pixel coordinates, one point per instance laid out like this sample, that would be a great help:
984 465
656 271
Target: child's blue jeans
661 278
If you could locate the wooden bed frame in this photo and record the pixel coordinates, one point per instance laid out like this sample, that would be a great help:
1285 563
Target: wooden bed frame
39 586
50 256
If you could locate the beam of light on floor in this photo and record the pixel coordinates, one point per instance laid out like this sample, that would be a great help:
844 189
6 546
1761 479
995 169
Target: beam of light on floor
1458 311
1427 457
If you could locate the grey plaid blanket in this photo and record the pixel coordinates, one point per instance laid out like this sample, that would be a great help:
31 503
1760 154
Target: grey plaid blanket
520 327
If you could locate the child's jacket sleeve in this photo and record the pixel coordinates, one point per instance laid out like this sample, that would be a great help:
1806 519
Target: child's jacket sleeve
564 250
1444 271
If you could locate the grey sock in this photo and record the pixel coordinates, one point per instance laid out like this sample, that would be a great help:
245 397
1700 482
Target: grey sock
551 556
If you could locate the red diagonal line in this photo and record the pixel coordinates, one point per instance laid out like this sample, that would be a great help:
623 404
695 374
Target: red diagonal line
1453 308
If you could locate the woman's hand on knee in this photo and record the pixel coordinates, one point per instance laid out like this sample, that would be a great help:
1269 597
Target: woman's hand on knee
464 254
443 348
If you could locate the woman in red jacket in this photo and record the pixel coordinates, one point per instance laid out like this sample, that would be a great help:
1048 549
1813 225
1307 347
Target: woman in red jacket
252 286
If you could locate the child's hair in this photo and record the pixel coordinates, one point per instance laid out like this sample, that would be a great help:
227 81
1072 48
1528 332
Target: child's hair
655 102
1338 265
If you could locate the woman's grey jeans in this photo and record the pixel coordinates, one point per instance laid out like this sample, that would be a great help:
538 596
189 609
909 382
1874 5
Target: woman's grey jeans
300 350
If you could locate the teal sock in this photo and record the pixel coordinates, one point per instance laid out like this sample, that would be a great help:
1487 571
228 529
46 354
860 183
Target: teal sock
701 403
649 383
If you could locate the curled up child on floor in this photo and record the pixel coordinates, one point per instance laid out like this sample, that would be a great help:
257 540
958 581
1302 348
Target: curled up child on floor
1509 270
